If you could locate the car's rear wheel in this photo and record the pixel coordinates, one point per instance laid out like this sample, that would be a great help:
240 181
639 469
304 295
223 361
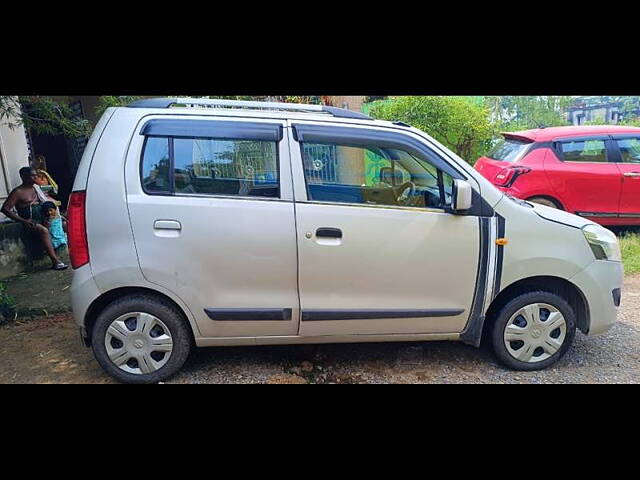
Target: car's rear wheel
544 201
533 331
141 339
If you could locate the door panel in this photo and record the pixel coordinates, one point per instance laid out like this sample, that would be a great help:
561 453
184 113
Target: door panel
232 260
387 259
629 166
586 181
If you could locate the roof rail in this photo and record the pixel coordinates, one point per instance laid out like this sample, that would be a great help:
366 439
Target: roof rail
212 102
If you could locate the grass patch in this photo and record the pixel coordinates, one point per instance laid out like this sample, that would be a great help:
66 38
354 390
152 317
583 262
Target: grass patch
630 247
7 304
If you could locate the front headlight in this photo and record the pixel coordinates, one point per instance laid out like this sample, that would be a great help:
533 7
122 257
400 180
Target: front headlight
603 242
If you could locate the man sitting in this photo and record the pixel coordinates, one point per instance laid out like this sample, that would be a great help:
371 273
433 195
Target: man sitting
27 199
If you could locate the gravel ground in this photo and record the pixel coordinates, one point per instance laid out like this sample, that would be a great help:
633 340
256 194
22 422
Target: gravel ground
48 350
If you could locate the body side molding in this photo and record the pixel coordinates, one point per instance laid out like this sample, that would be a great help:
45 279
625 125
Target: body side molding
248 314
311 315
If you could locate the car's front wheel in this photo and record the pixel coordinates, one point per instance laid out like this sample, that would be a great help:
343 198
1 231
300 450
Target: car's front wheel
141 339
533 331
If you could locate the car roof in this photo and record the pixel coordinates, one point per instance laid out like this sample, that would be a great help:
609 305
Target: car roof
551 133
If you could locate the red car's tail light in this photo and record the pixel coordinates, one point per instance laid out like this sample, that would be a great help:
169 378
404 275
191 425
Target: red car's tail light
508 175
77 229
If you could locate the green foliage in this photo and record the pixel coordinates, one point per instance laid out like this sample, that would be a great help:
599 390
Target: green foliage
630 121
460 124
7 304
629 106
373 98
598 120
630 247
108 101
43 115
511 113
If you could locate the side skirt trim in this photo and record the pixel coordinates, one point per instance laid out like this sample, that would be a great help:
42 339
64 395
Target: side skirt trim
312 315
605 214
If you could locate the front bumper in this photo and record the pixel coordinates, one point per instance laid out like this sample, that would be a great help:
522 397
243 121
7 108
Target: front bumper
598 282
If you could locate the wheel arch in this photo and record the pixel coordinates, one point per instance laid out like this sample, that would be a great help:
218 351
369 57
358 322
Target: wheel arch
107 297
556 285
551 198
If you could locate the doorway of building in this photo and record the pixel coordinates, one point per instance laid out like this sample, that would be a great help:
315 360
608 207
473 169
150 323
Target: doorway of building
56 151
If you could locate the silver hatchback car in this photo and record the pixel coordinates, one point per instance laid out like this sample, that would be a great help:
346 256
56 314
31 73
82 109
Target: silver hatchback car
198 222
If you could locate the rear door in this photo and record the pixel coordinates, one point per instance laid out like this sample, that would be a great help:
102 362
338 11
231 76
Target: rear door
627 158
210 203
584 176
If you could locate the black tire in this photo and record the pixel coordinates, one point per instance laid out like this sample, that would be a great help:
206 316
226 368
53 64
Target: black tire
503 316
163 310
544 201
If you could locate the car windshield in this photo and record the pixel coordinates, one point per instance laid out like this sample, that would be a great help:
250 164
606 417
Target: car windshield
508 150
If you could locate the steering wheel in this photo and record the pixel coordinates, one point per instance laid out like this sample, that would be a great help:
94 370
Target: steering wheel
405 193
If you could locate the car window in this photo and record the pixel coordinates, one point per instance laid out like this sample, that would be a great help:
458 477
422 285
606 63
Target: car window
629 149
156 165
373 175
226 167
508 150
208 166
584 151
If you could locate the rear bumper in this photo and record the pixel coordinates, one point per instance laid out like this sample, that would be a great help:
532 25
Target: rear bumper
599 282
512 191
83 292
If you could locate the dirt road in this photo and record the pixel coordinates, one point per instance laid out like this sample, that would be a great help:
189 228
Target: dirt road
48 350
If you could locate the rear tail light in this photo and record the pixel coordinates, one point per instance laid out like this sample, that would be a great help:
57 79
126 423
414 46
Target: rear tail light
508 175
77 229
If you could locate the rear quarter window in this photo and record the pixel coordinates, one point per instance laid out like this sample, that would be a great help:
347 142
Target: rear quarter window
156 165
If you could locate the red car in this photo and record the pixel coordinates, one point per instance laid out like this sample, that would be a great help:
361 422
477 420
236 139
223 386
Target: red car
591 171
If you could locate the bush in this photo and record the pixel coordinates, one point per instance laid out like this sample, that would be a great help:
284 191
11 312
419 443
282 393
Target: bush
460 124
7 305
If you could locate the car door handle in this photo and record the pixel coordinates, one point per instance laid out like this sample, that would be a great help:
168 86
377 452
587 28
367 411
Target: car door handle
632 174
327 232
167 225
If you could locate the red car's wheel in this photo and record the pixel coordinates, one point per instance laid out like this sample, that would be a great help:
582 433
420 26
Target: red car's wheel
545 201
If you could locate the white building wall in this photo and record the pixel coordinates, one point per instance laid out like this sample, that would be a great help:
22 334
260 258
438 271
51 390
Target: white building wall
14 155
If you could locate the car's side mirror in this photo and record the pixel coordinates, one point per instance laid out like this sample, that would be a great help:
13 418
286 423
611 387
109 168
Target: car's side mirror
461 194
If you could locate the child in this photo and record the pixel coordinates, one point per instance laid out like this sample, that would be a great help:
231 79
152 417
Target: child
55 224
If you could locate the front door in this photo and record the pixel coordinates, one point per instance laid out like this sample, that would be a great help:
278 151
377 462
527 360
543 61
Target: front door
377 252
628 161
585 177
212 213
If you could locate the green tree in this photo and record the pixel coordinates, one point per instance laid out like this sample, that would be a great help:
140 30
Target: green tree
511 113
107 101
629 107
630 121
462 125
43 115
